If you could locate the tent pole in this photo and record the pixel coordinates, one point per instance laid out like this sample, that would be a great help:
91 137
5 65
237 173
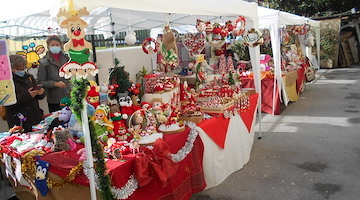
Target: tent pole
88 148
94 52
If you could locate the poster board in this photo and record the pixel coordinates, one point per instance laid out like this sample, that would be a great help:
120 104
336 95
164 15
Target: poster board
6 80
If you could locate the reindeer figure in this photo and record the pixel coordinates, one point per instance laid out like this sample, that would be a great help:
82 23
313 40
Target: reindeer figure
169 49
77 46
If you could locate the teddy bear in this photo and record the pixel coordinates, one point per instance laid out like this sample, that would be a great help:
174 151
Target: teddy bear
42 168
63 140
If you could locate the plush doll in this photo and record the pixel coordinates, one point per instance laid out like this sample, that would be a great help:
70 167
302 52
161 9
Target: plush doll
93 96
136 100
75 126
157 110
62 120
126 104
102 125
42 168
65 102
61 140
120 133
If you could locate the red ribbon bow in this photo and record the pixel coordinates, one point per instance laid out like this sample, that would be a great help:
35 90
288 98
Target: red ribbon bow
78 42
155 164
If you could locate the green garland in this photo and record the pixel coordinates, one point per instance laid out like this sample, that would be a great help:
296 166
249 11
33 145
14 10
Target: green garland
78 93
100 167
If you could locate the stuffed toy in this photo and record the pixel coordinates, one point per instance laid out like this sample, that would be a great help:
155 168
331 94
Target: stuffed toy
120 133
157 110
82 153
62 120
103 127
42 168
65 102
75 126
61 138
126 104
93 96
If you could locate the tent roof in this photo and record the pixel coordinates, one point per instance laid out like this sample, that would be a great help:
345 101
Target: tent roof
142 14
268 16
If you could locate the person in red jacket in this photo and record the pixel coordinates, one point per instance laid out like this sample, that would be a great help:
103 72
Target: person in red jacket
26 112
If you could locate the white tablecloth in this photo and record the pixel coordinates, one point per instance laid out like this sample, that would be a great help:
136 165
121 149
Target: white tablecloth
220 163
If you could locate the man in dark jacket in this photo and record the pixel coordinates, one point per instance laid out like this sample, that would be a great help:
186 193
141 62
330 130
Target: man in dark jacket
48 74
26 112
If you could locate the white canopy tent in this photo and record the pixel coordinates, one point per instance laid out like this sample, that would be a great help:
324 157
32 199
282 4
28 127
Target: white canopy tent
147 14
274 19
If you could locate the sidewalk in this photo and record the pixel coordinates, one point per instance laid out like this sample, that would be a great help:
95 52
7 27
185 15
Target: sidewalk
310 151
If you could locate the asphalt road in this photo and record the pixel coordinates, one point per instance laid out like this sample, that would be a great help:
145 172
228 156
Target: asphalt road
309 152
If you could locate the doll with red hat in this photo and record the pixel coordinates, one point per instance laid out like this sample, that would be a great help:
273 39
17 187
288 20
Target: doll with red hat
93 96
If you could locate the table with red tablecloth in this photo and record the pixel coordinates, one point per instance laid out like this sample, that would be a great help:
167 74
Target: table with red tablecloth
222 147
267 90
187 180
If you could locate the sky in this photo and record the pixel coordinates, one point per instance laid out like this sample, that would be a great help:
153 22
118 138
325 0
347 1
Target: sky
18 8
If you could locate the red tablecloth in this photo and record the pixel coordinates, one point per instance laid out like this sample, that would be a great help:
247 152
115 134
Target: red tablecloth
188 180
267 88
217 127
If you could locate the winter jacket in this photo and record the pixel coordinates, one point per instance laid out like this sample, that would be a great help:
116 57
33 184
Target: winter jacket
48 74
26 104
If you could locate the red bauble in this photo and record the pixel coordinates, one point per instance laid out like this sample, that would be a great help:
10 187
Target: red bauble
136 91
137 85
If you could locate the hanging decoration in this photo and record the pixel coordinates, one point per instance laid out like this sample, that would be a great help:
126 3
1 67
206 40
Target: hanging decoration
195 44
147 48
253 37
130 38
239 26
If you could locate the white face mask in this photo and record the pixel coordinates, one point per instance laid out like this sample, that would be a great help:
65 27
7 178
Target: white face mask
55 49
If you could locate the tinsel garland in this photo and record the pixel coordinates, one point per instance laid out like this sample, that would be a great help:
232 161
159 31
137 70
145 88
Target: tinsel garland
78 94
132 184
28 165
100 166
70 177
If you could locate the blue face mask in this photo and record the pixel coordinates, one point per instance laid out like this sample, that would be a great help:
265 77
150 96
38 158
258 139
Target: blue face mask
20 73
55 49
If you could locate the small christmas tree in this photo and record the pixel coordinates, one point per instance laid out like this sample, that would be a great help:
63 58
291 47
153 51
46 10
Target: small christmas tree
119 76
231 78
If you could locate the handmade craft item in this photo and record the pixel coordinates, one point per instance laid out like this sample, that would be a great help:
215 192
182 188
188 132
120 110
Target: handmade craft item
253 37
6 82
239 26
77 46
93 96
31 53
41 173
169 51
103 127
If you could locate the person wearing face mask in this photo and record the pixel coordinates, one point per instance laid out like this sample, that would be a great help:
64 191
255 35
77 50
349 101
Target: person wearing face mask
26 112
48 73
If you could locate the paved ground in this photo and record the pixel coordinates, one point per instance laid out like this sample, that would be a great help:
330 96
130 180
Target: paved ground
309 152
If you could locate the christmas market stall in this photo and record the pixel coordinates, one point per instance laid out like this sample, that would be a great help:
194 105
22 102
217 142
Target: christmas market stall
180 122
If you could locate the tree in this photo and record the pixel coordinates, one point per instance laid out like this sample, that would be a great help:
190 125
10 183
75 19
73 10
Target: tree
119 76
310 8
